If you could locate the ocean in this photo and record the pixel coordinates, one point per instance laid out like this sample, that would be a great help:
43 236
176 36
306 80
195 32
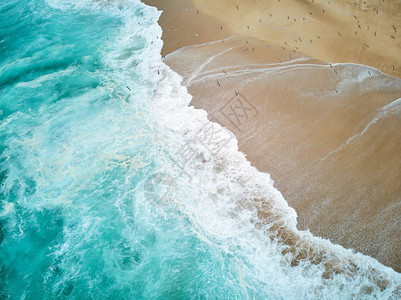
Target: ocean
112 186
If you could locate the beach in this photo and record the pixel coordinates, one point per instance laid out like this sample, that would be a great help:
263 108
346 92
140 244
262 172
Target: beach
209 157
320 91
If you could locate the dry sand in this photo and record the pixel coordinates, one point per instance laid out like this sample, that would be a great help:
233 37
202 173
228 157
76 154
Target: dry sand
336 31
328 134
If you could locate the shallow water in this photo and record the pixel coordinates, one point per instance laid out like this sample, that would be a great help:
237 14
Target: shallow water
111 185
327 133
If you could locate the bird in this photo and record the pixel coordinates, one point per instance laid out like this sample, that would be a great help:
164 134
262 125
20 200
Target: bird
218 82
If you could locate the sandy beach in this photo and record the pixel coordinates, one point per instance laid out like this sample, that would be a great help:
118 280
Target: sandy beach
321 110
198 149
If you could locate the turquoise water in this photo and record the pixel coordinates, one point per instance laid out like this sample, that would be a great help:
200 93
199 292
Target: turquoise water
93 206
75 144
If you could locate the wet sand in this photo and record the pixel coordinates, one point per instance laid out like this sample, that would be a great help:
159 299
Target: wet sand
327 133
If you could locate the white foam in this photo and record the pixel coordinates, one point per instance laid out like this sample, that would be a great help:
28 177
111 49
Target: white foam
224 195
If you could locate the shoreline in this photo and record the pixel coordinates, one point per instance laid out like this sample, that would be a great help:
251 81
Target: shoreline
330 189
